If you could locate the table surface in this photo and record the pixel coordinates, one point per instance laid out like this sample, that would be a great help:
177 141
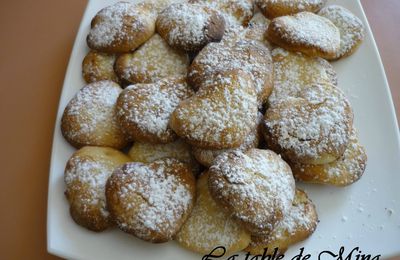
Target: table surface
37 39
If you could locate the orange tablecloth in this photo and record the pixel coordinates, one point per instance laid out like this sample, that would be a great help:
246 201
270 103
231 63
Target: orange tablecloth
36 41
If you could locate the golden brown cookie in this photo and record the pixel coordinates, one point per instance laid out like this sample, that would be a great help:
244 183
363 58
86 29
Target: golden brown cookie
294 71
151 201
97 66
220 114
250 56
121 27
296 226
352 32
306 32
313 128
154 60
275 8
85 177
190 27
144 110
255 187
208 226
90 117
346 170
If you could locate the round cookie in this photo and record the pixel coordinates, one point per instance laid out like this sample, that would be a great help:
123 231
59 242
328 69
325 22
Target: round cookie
208 226
296 226
144 110
294 71
151 201
255 187
147 153
276 8
90 117
346 170
121 27
85 177
220 114
250 56
305 32
190 27
154 60
313 128
97 66
351 29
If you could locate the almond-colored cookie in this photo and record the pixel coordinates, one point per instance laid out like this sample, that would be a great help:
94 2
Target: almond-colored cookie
255 187
313 128
151 201
97 66
144 110
352 32
220 115
208 226
275 8
121 27
90 117
346 170
190 27
296 226
306 32
85 177
154 60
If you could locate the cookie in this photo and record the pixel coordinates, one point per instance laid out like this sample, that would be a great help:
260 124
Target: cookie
85 177
296 226
151 201
255 187
352 32
220 114
305 32
208 226
250 56
257 28
90 117
294 71
121 27
97 66
153 61
144 110
276 8
313 128
190 27
346 170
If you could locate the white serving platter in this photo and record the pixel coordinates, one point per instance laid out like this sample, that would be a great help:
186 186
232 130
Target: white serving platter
365 215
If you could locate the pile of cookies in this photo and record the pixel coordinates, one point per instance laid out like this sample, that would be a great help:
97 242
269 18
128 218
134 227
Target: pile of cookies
198 117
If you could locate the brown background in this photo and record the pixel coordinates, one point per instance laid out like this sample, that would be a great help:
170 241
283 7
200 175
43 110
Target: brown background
36 41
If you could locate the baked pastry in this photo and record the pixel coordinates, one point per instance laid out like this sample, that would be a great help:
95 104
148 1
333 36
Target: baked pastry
313 128
97 66
147 153
306 32
233 11
257 28
121 27
154 60
151 201
208 226
294 71
85 177
255 187
346 170
250 56
90 117
275 8
351 29
190 27
144 109
296 226
220 114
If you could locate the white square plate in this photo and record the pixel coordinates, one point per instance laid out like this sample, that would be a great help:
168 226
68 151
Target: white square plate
364 215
